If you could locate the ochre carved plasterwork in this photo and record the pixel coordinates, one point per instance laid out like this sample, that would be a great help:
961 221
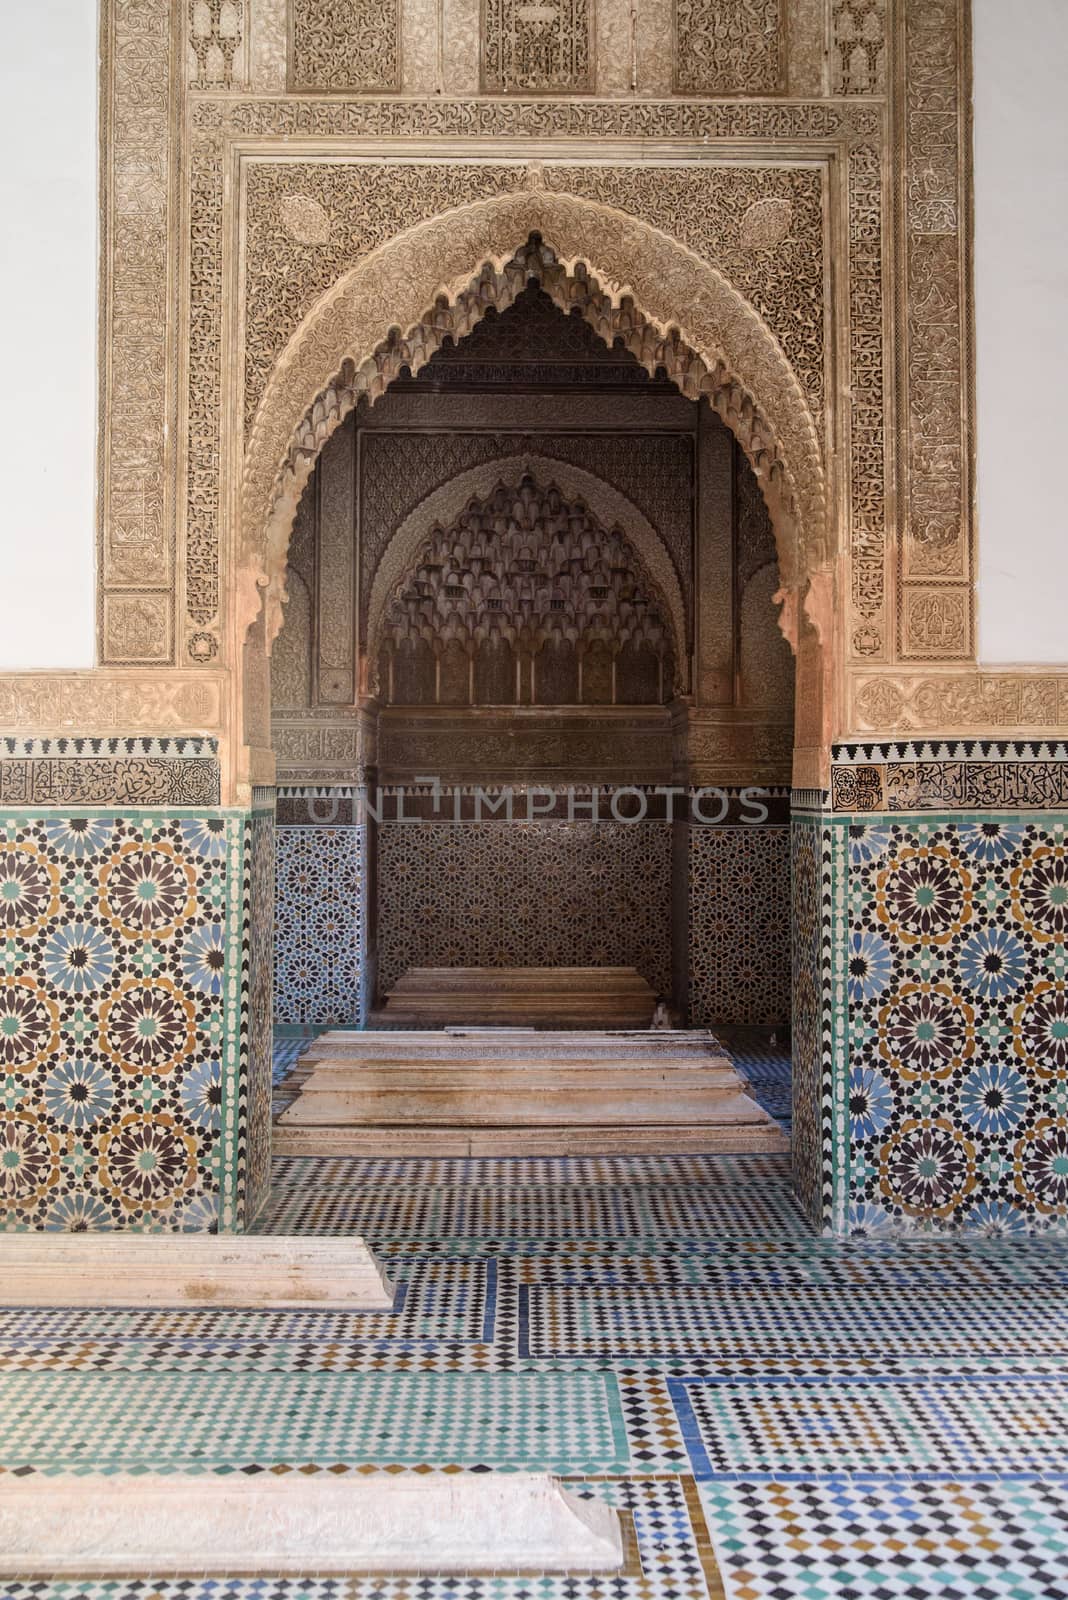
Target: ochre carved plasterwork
537 49
961 701
762 228
109 702
141 40
725 47
858 49
904 571
724 350
216 41
936 461
348 46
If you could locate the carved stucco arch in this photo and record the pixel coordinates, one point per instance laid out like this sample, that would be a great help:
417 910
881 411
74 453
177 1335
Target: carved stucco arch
446 503
630 280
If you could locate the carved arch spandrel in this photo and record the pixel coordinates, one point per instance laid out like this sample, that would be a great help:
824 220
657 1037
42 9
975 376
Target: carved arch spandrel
627 278
446 503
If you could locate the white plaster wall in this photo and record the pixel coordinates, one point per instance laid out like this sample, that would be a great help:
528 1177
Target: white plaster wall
48 329
48 203
1021 292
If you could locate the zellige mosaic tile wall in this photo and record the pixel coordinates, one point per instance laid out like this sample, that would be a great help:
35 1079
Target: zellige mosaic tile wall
739 926
121 979
945 912
320 923
543 893
958 1018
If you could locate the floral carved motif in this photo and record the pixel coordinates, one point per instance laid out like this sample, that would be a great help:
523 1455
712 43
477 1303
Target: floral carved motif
351 45
729 47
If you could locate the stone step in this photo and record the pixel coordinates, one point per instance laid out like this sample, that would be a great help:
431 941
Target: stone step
759 1138
185 1269
593 996
127 1525
555 1016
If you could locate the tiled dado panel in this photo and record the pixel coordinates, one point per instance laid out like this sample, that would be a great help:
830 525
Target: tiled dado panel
320 923
538 894
124 1019
958 1020
739 925
815 1023
952 932
258 999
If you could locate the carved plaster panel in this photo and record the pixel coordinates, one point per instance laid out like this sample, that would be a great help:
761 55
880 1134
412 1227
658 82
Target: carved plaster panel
926 73
216 43
140 48
867 416
761 226
858 47
344 45
727 47
721 213
106 702
741 357
541 48
936 476
958 702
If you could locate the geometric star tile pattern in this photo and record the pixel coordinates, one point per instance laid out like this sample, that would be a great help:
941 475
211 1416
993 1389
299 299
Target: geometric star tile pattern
781 1415
958 1004
120 952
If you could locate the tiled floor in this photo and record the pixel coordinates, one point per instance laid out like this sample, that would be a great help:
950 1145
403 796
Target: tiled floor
790 1417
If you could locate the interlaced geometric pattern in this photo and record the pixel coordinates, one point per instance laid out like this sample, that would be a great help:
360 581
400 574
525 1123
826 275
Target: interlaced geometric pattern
781 1416
958 999
118 1092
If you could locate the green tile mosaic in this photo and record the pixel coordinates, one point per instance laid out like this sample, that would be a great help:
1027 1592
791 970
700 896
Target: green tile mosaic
196 1422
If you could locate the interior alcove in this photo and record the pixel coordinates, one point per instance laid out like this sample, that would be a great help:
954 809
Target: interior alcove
590 568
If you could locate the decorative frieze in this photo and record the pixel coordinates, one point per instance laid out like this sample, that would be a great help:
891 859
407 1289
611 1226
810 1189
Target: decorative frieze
106 702
967 775
632 746
91 781
958 701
